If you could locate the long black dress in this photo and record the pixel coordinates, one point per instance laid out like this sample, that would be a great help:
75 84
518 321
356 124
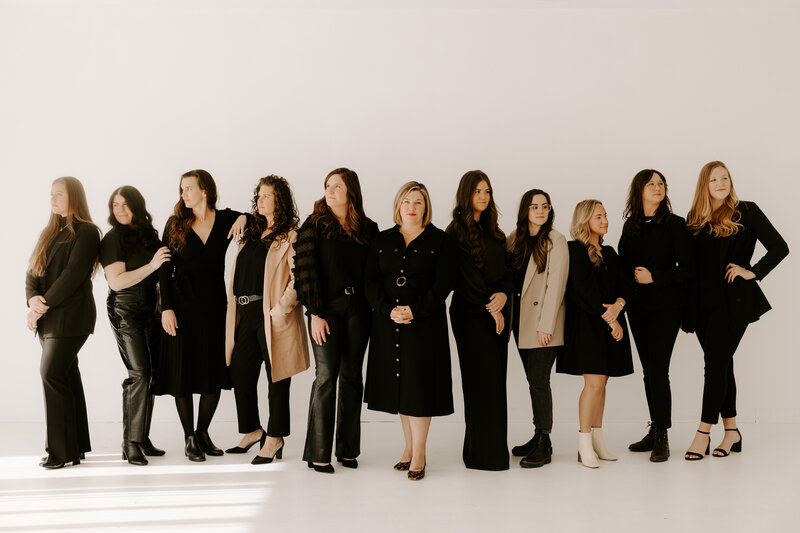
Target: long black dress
408 369
192 284
482 354
588 345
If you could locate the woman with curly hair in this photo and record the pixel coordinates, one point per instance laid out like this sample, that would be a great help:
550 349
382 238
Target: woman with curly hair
332 246
264 323
478 317
131 254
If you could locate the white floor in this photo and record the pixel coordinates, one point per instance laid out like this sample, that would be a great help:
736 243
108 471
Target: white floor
757 490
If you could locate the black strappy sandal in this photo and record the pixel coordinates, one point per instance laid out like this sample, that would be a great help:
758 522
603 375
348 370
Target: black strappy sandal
694 456
735 447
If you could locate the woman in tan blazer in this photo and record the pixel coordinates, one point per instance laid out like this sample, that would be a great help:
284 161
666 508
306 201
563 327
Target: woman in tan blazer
264 323
540 263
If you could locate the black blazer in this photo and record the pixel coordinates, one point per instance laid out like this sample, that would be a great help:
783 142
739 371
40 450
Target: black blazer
67 283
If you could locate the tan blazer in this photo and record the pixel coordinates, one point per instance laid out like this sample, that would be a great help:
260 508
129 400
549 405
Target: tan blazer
542 297
284 326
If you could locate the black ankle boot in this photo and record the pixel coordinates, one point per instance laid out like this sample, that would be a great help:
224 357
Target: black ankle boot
524 449
540 454
193 451
148 448
132 453
660 451
204 441
647 442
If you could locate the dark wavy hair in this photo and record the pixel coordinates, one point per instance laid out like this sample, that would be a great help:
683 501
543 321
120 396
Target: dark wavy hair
467 229
182 218
140 231
326 222
634 209
526 244
285 216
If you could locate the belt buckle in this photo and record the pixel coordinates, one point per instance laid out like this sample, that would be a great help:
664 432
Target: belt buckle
242 300
349 290
401 280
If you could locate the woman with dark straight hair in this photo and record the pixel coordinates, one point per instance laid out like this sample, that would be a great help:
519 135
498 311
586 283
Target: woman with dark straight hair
332 246
478 314
131 255
58 289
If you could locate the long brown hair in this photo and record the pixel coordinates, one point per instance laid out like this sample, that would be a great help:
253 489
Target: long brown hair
538 246
634 209
579 229
326 222
182 218
285 216
467 229
77 211
140 231
723 221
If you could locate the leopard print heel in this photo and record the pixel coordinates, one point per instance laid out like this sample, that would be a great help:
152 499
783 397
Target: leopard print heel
402 466
416 475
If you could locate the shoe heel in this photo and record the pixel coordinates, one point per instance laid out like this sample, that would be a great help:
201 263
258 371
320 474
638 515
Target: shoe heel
279 454
708 447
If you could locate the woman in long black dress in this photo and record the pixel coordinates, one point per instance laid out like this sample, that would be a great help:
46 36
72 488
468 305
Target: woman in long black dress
655 252
410 272
58 289
477 317
131 255
193 304
332 246
724 232
596 343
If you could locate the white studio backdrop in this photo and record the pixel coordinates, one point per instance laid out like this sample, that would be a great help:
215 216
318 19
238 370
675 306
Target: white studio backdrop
556 95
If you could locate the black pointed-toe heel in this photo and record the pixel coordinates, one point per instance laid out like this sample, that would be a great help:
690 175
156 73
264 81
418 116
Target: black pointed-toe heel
325 469
149 449
348 463
132 453
259 460
694 456
238 449
205 444
735 447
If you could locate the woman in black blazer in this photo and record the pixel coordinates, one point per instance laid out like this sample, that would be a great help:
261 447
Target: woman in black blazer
724 234
58 288
657 258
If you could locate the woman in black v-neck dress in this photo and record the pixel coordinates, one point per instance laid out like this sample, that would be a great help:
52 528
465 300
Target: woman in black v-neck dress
193 305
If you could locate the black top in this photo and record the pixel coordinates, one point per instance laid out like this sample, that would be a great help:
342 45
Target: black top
67 283
325 267
116 246
249 276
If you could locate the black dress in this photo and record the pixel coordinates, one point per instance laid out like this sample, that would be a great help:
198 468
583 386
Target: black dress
588 345
408 370
193 285
482 354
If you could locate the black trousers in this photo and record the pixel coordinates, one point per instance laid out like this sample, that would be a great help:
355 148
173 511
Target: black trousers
339 359
64 401
137 329
538 365
249 353
654 332
483 358
719 337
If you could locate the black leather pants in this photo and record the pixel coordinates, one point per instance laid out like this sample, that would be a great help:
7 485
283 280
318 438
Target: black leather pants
137 329
340 358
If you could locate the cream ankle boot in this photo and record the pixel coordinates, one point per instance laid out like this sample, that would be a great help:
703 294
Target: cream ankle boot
599 445
585 453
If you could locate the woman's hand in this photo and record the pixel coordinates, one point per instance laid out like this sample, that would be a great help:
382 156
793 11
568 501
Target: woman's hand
642 275
169 322
37 303
616 330
402 314
544 338
159 258
612 311
496 302
31 319
732 271
237 230
319 329
499 322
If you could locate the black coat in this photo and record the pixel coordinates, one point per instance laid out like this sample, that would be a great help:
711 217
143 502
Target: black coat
408 370
67 283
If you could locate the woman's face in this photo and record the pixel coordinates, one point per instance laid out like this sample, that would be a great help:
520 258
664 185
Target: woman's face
121 211
191 193
654 190
598 223
266 201
412 208
719 184
538 210
59 199
336 192
481 197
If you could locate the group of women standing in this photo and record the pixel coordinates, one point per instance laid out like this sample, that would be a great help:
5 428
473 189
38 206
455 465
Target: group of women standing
565 302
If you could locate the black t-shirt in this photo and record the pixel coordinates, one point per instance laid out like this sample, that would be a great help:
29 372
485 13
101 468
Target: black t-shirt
116 246
249 277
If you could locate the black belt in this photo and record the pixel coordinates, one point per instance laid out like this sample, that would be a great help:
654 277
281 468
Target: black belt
244 300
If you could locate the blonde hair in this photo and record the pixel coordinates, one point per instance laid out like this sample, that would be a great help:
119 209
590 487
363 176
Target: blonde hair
407 188
723 221
579 229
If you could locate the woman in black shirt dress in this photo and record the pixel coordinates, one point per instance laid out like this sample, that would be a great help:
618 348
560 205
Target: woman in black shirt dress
477 316
131 255
410 272
58 289
332 246
724 232
193 304
655 252
596 343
